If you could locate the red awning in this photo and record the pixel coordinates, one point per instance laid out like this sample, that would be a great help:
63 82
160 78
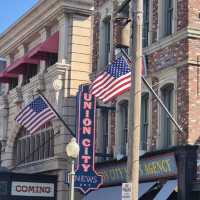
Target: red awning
19 65
50 46
5 77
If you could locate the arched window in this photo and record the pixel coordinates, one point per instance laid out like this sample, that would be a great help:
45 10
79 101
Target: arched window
29 148
166 125
123 120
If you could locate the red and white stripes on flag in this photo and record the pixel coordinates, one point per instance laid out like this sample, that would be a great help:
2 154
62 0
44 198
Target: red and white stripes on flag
35 114
114 80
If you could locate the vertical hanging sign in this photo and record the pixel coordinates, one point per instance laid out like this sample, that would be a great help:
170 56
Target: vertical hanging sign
86 178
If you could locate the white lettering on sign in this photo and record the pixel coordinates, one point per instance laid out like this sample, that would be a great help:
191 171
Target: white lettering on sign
32 189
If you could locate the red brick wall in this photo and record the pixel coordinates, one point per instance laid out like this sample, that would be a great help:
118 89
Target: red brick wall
182 101
194 49
194 10
182 14
168 56
194 105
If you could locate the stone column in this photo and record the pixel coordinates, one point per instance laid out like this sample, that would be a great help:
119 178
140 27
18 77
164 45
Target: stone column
63 38
43 36
21 53
8 60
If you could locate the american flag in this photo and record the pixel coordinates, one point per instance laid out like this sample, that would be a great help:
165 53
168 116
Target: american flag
113 81
35 114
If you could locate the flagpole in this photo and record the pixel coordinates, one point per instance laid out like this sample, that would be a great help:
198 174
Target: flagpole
59 117
135 94
180 129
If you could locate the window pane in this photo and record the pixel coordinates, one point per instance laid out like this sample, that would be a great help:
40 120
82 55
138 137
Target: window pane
104 115
18 157
30 148
144 121
167 96
145 22
23 144
124 127
37 147
42 145
47 144
168 6
51 150
106 40
27 150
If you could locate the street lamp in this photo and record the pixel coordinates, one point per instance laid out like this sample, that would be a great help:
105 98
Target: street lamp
72 150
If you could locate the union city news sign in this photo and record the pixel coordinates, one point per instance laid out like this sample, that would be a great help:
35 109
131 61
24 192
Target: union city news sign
86 178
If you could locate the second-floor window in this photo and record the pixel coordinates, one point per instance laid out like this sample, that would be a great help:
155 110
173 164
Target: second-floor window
144 120
123 126
106 39
104 130
29 148
168 17
166 125
145 22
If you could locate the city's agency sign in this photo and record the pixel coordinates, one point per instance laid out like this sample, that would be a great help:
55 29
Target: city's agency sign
86 178
151 168
158 167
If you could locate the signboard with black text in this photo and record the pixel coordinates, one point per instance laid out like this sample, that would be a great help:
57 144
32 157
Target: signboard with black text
14 186
86 178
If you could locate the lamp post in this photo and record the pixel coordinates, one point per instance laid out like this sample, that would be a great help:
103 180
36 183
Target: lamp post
72 150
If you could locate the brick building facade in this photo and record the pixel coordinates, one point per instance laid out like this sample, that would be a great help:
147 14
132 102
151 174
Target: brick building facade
172 55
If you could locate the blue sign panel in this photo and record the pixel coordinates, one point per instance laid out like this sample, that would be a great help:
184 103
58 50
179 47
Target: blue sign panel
86 178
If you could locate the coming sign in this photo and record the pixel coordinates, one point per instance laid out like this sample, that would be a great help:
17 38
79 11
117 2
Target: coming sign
32 189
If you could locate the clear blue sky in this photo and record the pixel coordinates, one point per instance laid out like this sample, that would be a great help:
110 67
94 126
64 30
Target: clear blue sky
11 10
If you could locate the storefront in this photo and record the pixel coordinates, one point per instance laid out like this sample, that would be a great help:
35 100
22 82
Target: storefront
164 175
27 187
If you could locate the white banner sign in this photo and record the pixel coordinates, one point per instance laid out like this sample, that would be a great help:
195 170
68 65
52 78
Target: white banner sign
32 189
126 191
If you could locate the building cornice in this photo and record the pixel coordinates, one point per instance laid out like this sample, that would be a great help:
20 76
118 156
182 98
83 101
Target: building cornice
165 42
42 14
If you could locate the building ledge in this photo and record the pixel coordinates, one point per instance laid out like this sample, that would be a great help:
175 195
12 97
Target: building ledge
40 166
